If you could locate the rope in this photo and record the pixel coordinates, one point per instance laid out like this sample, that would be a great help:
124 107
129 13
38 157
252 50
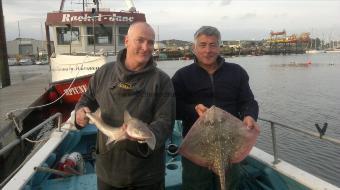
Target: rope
35 141
11 115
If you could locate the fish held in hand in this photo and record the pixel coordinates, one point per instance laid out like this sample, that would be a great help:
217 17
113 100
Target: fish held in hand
216 140
139 130
114 134
134 128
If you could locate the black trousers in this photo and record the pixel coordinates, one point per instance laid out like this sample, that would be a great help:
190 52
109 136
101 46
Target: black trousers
156 186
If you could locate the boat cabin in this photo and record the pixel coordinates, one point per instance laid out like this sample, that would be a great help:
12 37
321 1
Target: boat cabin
87 32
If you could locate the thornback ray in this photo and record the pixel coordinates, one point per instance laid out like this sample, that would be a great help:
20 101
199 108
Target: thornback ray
216 140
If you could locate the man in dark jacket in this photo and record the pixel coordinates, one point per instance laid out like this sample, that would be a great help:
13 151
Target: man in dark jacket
135 84
211 81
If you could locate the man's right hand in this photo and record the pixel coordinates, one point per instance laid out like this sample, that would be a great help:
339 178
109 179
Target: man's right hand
81 118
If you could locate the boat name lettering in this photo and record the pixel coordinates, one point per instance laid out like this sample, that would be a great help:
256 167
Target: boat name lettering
75 68
68 18
76 90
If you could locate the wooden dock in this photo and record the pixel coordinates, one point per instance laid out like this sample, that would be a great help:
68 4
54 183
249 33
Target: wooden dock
28 84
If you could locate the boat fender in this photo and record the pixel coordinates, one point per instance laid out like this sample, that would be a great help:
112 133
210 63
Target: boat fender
72 163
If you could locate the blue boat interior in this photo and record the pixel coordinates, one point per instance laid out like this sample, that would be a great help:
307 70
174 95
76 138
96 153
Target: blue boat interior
257 174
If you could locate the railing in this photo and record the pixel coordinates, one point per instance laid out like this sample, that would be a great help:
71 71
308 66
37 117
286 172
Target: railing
320 135
23 137
30 132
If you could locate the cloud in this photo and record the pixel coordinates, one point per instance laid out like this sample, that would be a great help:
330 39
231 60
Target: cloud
248 16
281 15
224 18
180 18
225 2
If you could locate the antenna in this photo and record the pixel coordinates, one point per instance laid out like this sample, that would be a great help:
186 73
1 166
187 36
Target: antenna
130 5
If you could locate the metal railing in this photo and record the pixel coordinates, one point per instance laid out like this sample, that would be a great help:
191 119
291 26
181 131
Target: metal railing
23 137
30 132
273 125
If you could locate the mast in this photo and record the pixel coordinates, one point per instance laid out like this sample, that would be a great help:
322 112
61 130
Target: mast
4 70
62 5
130 5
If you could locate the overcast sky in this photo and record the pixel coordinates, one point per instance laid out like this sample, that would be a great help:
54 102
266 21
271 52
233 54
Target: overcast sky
179 19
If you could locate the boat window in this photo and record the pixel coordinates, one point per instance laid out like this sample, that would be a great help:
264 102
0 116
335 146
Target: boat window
64 35
103 35
122 31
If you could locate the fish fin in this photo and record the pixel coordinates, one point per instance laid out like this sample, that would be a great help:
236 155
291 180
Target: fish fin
91 122
127 116
110 140
98 112
121 137
151 142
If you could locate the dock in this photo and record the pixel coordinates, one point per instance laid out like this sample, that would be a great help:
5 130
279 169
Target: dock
28 84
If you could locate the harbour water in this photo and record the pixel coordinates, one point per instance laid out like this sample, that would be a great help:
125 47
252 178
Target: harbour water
289 91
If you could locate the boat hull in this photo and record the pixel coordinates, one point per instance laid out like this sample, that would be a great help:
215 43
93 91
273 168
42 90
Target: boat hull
68 67
71 90
71 74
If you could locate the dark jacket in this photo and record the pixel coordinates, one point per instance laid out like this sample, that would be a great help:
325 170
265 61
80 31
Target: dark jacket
147 95
227 88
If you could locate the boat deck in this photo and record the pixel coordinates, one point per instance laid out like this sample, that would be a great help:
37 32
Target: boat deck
17 96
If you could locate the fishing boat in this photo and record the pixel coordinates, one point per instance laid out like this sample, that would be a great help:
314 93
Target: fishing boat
43 171
313 51
84 40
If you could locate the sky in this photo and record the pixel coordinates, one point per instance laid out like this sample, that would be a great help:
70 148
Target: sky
179 19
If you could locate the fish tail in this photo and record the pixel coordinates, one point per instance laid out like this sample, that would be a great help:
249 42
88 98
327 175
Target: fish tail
222 179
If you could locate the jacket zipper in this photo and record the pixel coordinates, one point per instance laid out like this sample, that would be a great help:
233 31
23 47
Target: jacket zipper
213 88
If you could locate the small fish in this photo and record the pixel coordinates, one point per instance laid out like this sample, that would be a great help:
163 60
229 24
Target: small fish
135 129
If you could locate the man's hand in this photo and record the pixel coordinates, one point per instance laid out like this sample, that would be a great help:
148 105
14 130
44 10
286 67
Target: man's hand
251 123
124 128
200 109
81 118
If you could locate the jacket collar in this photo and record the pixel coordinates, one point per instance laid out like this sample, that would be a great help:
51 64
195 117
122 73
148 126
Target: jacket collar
220 61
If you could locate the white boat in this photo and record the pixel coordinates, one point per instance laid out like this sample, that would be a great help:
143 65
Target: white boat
84 40
313 51
333 51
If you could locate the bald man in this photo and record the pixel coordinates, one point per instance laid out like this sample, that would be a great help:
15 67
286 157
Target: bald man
135 84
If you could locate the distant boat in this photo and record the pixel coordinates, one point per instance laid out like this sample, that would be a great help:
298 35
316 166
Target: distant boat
26 61
12 61
313 51
41 62
333 51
